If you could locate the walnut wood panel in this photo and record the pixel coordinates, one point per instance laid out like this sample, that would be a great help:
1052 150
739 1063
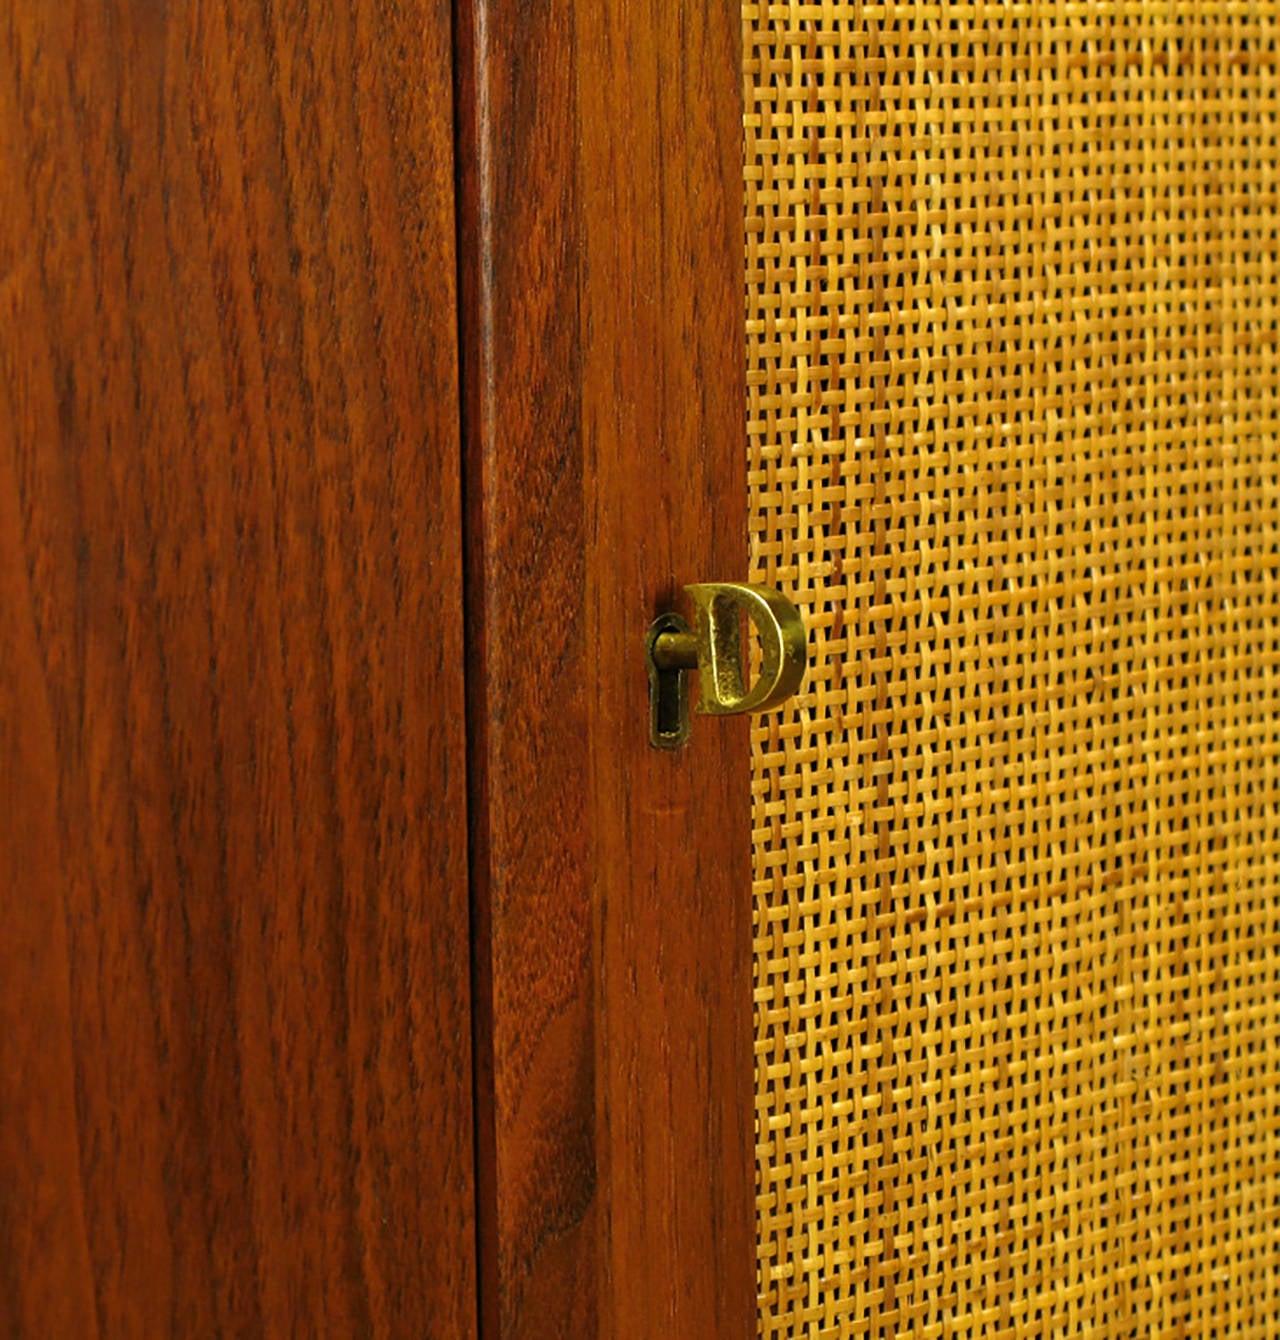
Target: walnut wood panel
602 181
234 1034
527 662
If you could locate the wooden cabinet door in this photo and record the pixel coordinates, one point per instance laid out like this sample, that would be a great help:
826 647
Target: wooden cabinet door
234 1026
998 286
373 376
600 156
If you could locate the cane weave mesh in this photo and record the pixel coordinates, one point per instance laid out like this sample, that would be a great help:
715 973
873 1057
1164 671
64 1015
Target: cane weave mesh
1012 316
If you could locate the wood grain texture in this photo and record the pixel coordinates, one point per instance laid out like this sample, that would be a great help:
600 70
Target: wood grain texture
527 668
664 431
606 467
234 1034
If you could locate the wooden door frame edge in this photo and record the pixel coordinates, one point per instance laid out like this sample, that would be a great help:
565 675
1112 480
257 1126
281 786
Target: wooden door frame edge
603 387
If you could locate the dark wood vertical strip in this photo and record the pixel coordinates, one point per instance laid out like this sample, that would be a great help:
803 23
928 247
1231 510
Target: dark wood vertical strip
234 965
604 405
527 695
664 432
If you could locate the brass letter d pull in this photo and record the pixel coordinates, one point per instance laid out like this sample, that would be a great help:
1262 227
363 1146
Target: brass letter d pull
714 649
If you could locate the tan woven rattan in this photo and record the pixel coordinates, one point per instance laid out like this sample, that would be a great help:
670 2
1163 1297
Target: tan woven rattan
1012 321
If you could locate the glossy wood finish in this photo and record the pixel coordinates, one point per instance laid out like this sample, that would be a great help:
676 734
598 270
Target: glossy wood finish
527 668
664 433
605 419
234 1059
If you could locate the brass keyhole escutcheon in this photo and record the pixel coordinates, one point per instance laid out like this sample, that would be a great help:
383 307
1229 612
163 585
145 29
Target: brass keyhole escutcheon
713 648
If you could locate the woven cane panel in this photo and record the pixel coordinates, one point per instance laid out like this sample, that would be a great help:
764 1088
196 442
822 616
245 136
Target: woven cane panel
1012 318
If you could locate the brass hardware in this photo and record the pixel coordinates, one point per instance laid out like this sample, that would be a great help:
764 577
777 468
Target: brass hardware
719 646
714 649
668 682
676 649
